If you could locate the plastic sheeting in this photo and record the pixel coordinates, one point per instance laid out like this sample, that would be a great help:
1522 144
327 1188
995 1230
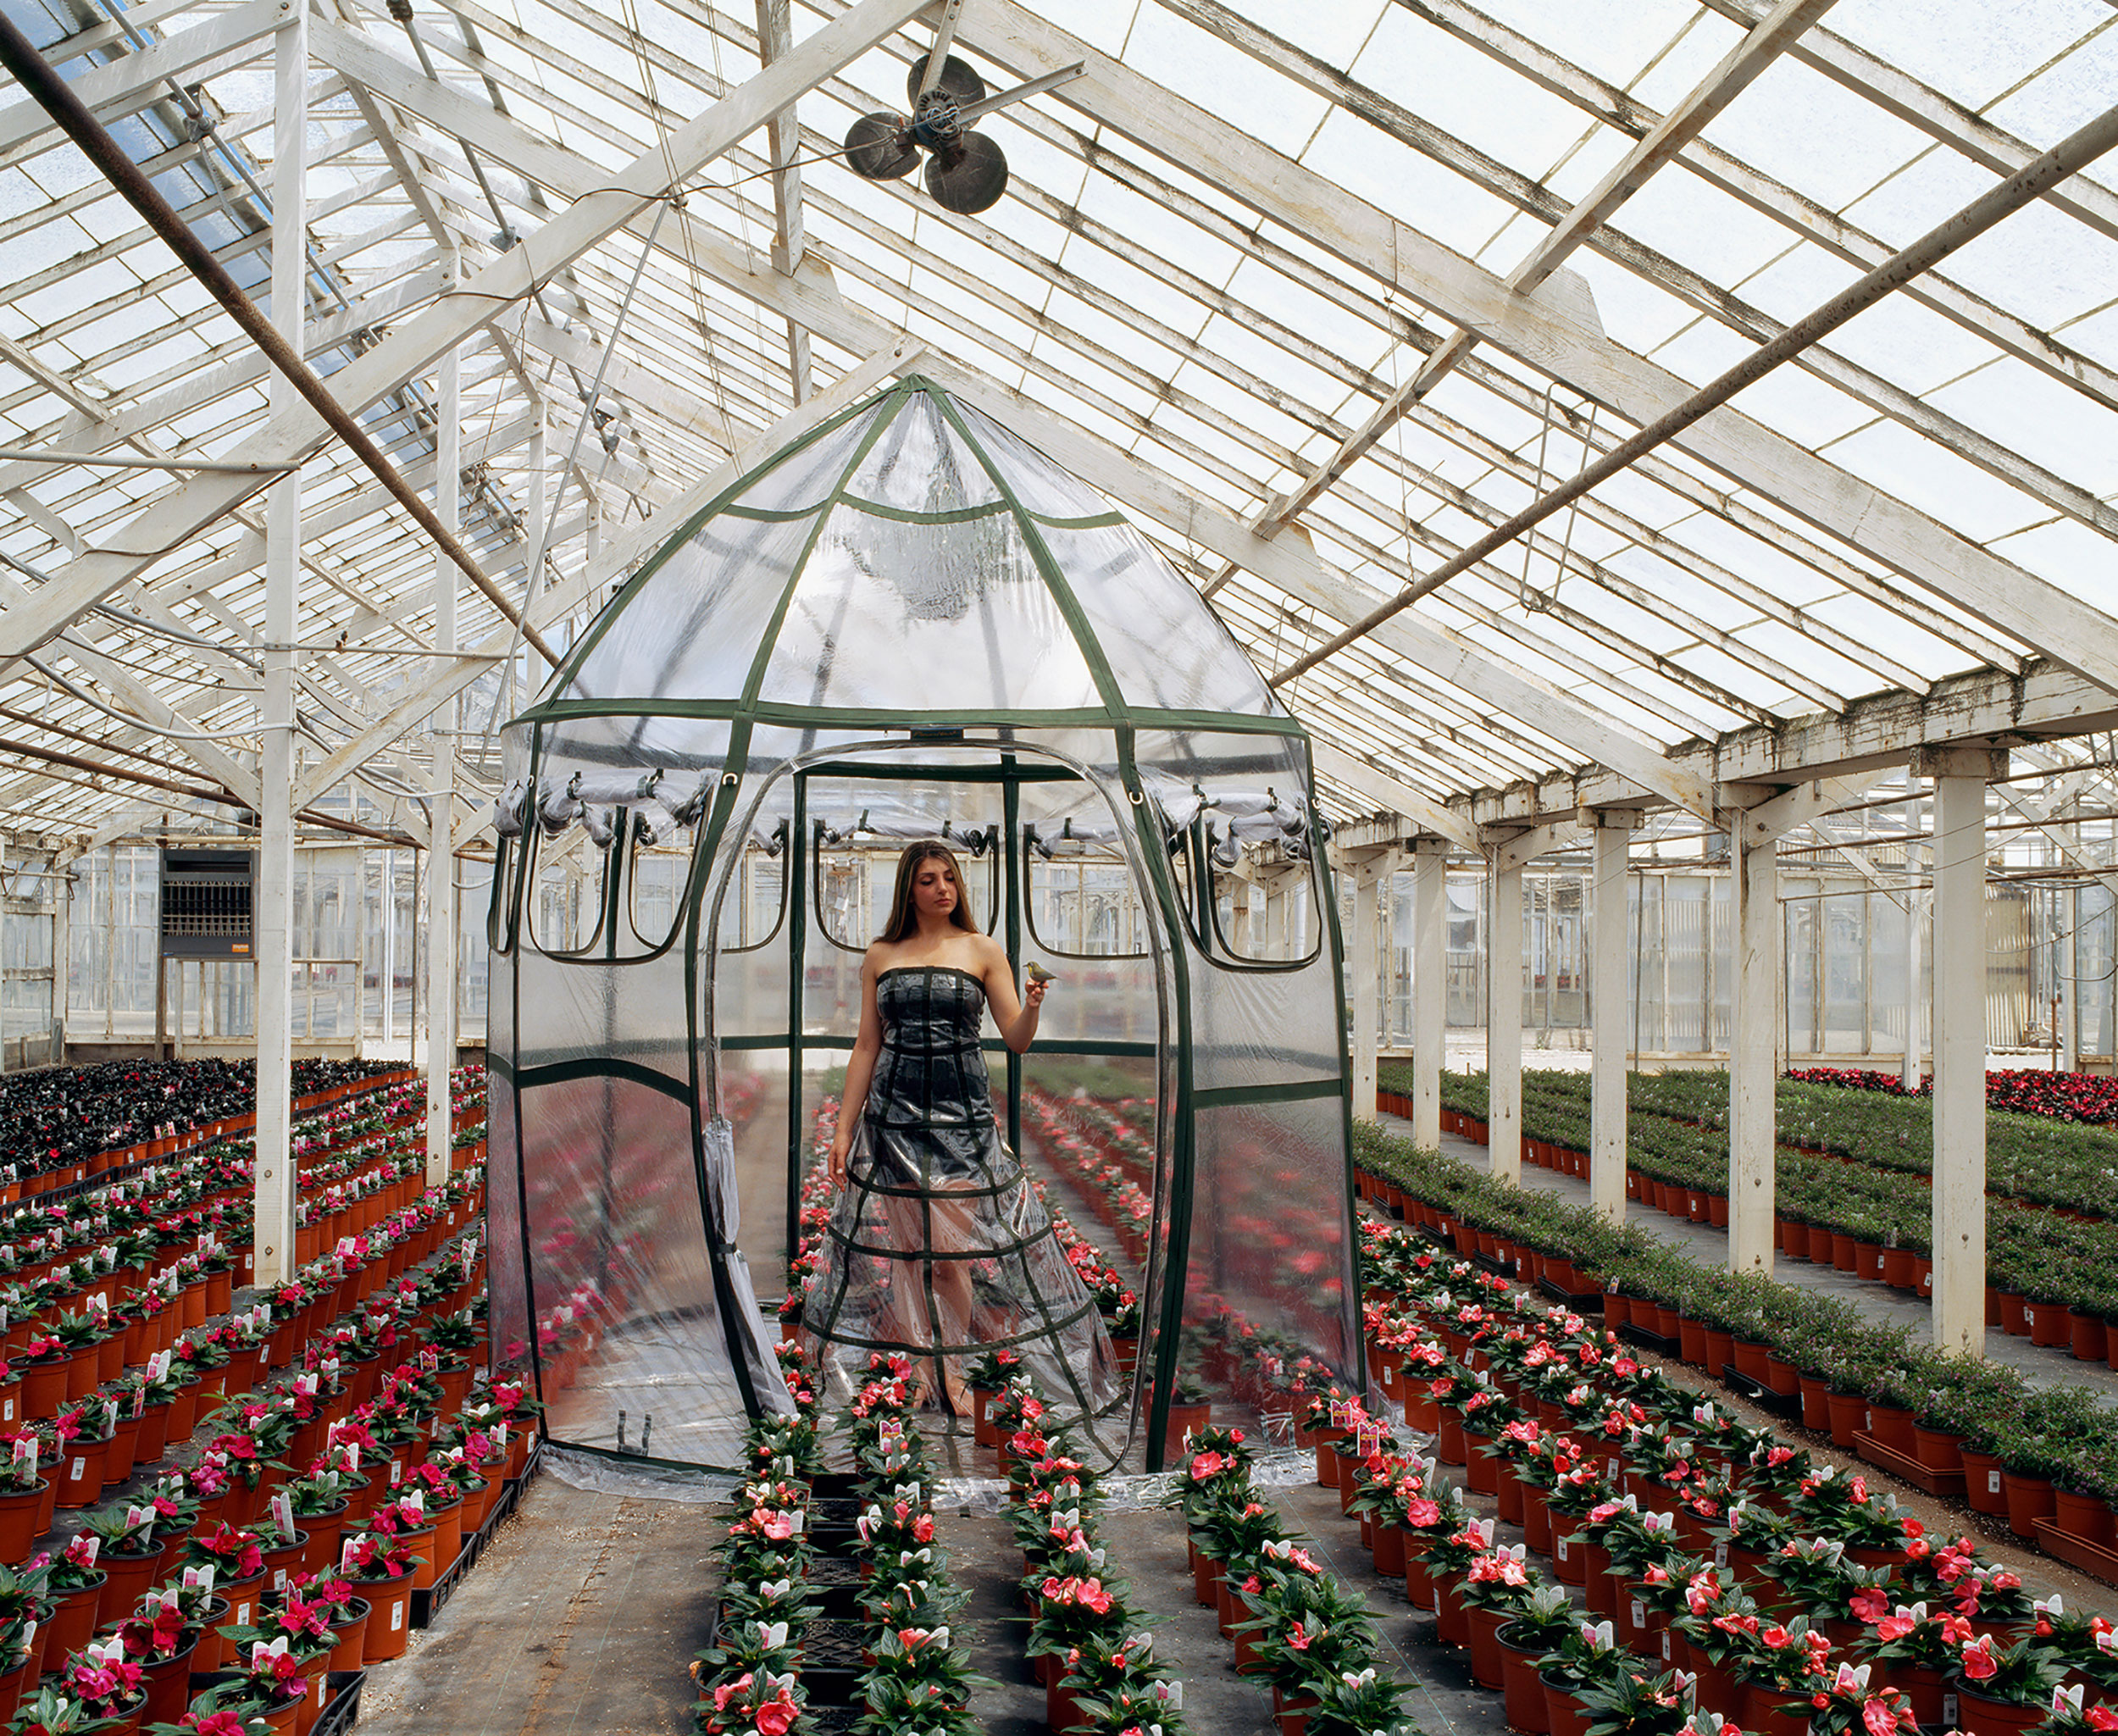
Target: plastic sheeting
911 624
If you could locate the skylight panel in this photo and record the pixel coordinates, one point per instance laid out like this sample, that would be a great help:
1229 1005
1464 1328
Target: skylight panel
1221 78
2031 412
1435 201
1927 475
1615 38
1451 85
1969 53
1801 128
2071 555
2041 264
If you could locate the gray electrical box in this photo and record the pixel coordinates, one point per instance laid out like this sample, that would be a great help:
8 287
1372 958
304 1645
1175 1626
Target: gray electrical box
206 903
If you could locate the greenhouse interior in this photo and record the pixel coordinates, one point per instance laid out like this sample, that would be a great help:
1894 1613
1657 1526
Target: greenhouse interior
1156 866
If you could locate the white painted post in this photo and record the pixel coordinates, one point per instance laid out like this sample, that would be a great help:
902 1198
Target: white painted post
1608 1014
1504 1024
1914 1000
2064 953
1753 1043
1960 777
442 925
1430 964
272 1245
1362 965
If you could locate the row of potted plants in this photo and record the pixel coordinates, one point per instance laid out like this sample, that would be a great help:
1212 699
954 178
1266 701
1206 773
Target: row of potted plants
59 1123
1293 1624
2036 1158
1725 1571
2021 1090
282 1574
2020 1449
775 1656
1087 1642
2051 1272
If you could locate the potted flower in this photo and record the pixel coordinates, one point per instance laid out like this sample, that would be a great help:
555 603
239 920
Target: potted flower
1542 1619
1586 1655
1919 1648
161 1642
380 1565
105 1682
1999 1688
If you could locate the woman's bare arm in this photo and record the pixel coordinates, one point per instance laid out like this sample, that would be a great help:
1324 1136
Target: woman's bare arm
1014 1014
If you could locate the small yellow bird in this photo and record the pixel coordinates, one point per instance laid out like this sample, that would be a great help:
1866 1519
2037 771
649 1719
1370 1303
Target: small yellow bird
1038 974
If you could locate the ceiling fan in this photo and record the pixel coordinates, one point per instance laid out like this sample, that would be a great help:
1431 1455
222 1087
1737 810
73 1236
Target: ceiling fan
966 171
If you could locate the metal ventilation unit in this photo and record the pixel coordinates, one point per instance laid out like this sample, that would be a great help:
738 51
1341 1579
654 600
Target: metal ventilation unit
206 903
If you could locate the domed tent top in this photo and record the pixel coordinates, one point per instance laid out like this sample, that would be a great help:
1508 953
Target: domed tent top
909 560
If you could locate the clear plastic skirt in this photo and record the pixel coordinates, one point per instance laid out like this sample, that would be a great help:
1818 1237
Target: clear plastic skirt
938 1242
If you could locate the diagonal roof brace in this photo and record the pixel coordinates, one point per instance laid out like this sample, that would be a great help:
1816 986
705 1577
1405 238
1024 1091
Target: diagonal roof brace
2061 163
607 203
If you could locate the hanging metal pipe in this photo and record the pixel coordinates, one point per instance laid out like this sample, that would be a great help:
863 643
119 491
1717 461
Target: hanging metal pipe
56 97
2066 159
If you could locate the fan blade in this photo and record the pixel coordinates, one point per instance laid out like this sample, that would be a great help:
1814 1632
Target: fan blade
879 148
959 79
968 179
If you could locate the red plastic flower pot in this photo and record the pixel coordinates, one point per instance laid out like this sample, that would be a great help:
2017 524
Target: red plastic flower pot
2029 1500
18 1526
80 1472
349 1634
73 1623
125 1577
1984 1486
169 1684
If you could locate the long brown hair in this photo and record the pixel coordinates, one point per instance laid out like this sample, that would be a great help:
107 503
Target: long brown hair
904 921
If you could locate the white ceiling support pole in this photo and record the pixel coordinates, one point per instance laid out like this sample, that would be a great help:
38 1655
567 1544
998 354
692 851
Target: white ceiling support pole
1371 878
2063 955
1504 1021
1430 1004
1915 1000
1753 1046
273 1231
1609 1005
443 929
1960 776
534 670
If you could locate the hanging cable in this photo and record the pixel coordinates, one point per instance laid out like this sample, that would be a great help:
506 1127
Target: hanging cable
86 698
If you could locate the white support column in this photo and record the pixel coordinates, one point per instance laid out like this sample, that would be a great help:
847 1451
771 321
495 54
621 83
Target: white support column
1915 999
1430 965
1610 1003
442 926
1752 1044
1370 872
1504 1021
2070 910
1960 777
273 1232
1361 968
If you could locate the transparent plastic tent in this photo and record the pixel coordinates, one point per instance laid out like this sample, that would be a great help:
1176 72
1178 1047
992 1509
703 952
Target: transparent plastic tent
909 623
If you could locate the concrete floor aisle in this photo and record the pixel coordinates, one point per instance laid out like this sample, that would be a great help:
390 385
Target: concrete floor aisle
2039 1366
579 1619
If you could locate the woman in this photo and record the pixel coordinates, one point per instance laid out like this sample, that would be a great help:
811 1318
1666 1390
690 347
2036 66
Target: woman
937 1245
